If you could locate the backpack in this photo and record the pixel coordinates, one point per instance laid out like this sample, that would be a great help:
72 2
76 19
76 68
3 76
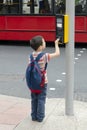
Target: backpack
35 79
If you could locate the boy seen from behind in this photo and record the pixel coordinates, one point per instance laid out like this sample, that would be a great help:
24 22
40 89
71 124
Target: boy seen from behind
38 100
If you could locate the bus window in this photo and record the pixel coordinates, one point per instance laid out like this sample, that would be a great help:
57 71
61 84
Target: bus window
10 7
44 6
25 6
36 6
60 6
30 7
1 6
85 7
81 6
15 6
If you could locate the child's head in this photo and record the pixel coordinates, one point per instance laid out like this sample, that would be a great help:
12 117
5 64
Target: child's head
36 42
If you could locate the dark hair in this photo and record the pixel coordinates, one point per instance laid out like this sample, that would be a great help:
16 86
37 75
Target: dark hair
35 42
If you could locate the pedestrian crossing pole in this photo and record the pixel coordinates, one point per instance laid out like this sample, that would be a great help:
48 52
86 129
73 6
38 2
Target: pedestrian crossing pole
70 11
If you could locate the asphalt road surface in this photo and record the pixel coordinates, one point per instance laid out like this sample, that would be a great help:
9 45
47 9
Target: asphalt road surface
13 62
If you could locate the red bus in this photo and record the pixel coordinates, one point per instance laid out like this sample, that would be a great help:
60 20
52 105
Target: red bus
81 21
23 19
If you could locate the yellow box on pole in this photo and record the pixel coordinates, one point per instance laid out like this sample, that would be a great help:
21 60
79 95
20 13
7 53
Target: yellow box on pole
66 29
62 31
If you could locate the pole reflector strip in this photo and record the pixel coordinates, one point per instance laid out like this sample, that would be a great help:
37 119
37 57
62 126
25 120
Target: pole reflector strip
66 29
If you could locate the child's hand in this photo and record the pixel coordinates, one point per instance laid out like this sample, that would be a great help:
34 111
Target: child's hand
57 41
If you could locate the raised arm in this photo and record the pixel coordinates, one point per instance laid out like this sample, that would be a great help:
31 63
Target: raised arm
57 50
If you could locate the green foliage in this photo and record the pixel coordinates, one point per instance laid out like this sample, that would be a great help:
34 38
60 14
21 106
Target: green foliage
76 2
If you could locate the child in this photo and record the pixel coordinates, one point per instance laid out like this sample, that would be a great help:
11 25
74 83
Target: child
38 99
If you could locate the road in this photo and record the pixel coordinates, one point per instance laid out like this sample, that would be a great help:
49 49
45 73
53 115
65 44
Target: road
13 62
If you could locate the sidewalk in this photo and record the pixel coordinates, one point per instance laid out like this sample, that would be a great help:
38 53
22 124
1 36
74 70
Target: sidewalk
15 115
12 111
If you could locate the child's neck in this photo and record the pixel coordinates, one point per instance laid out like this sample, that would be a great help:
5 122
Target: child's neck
39 49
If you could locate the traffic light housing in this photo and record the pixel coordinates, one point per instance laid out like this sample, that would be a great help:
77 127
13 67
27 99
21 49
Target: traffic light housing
62 29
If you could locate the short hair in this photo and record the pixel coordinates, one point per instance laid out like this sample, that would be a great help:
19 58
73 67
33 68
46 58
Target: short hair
36 42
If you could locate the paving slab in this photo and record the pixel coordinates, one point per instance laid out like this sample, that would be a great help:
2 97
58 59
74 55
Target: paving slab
15 115
56 118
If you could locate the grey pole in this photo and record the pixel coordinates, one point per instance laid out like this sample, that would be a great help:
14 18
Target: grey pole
70 7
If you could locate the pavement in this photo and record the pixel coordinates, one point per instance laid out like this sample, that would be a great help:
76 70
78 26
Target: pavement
15 115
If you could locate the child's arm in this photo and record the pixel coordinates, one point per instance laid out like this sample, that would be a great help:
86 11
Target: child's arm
57 50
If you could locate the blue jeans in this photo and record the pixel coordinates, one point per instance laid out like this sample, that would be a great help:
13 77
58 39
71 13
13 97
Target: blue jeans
38 104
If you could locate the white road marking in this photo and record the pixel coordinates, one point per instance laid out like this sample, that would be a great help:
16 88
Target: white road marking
58 80
52 89
76 58
81 51
63 73
78 54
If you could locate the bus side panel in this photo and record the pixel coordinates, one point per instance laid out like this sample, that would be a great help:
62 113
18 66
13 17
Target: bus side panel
25 27
81 29
42 23
2 23
81 37
80 23
26 36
